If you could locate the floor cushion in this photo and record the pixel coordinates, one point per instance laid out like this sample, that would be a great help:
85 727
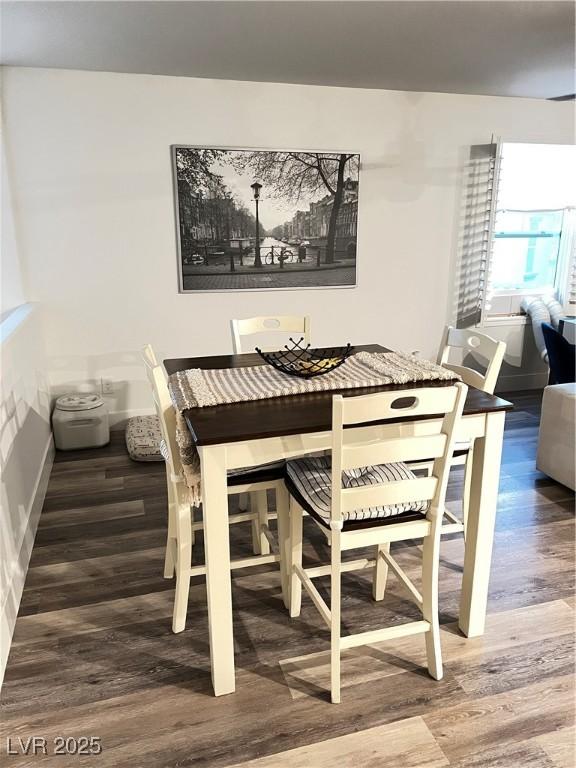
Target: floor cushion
143 438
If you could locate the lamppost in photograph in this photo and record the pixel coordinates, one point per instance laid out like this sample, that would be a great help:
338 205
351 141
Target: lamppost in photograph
256 187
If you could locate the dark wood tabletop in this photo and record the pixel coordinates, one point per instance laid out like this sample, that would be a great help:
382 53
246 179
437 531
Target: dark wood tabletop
293 415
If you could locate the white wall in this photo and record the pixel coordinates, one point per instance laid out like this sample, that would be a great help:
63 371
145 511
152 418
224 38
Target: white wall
25 456
12 291
93 191
26 450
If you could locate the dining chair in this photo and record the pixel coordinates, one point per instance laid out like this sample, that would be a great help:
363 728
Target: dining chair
252 326
489 349
181 524
260 516
365 494
242 330
492 352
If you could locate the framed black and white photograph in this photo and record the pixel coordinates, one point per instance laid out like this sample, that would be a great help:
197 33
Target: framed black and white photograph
264 220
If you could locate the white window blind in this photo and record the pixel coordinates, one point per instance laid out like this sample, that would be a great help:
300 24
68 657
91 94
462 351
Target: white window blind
479 207
566 278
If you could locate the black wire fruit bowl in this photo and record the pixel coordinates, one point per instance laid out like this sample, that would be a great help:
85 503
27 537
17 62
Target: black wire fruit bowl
304 362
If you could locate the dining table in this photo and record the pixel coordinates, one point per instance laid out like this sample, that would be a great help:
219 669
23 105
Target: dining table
246 434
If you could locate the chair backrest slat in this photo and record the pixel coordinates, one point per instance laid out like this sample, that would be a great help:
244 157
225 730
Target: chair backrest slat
251 326
468 375
442 406
398 492
420 402
394 449
471 341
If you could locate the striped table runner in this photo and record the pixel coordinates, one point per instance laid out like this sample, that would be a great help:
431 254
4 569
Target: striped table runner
200 388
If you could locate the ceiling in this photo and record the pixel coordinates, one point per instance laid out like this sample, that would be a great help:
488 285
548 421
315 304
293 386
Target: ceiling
499 48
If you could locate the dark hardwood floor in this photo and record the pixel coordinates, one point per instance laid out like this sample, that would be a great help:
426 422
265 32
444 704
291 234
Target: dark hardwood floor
93 653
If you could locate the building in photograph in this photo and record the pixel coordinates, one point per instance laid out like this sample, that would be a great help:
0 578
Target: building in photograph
318 222
211 220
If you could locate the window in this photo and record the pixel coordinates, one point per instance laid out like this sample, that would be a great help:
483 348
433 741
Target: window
535 190
525 250
518 230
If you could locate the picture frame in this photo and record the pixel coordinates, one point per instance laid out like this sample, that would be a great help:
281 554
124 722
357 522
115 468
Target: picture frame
260 219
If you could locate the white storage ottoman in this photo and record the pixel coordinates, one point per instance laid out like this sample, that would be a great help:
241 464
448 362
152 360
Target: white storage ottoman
80 421
556 441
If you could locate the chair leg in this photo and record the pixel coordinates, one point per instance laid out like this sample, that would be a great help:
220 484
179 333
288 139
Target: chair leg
335 630
261 507
380 572
467 487
283 519
430 564
255 522
171 535
169 565
183 565
295 557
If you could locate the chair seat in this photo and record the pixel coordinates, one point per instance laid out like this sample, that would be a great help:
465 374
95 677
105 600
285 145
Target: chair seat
309 480
274 470
462 448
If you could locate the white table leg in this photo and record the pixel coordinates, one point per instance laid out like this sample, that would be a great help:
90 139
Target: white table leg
480 525
217 554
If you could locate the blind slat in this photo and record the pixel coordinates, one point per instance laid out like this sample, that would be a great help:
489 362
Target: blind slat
477 223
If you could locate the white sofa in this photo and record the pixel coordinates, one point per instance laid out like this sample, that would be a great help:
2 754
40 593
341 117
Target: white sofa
556 441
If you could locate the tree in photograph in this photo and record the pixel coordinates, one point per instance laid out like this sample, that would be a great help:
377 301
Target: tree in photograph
195 167
202 190
290 175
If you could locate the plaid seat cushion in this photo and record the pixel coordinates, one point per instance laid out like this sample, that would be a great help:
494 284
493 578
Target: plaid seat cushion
311 477
164 450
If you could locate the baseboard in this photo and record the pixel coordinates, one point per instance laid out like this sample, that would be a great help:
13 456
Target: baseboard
118 419
522 381
9 610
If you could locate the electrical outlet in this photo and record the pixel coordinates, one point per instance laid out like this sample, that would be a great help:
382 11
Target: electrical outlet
107 386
